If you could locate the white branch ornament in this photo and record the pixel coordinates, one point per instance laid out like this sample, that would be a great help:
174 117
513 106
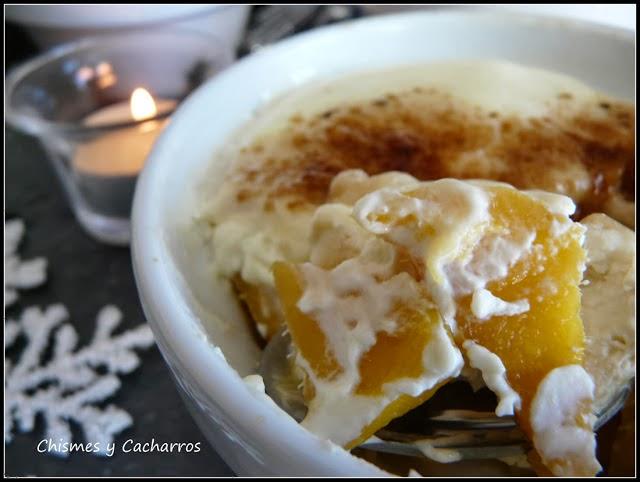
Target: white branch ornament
19 274
66 387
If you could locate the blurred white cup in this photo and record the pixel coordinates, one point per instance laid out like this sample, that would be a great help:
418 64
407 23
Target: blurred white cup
50 25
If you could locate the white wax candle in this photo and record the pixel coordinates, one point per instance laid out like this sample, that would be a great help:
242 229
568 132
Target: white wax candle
106 168
121 152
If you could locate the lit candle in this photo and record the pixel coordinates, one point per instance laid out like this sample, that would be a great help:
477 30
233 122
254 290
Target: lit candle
107 167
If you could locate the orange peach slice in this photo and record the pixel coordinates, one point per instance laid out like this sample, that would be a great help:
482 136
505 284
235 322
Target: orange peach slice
550 334
262 305
532 342
394 356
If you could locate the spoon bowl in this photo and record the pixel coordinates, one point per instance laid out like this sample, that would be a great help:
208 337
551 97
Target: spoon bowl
472 434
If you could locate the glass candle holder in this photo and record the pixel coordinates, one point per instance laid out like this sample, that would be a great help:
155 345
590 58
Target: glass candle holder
97 105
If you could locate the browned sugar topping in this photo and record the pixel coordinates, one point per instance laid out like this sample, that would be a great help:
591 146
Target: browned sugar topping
587 153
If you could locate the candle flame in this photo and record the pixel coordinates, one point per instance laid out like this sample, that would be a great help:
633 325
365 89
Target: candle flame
142 104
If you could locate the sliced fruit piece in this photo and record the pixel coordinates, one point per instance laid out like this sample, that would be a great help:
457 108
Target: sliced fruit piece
307 336
534 323
393 357
263 306
550 334
395 409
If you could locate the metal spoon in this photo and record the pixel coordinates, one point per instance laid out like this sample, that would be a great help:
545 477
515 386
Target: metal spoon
473 434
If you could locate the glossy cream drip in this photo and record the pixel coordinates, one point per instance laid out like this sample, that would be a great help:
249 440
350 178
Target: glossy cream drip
445 223
485 305
441 361
491 260
436 220
351 304
555 203
494 375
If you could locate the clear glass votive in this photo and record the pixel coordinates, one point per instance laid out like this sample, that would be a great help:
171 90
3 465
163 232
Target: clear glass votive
97 105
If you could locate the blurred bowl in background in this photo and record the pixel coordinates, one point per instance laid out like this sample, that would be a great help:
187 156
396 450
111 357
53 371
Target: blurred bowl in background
50 25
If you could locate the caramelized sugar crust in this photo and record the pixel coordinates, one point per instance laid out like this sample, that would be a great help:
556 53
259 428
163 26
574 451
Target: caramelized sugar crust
584 151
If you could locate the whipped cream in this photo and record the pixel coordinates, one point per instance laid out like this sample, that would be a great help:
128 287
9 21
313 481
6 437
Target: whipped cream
608 306
351 305
353 301
494 375
249 244
565 443
334 226
485 305
452 226
446 224
349 186
441 360
352 287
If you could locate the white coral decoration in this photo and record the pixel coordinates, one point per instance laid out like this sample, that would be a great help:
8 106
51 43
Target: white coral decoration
67 387
19 274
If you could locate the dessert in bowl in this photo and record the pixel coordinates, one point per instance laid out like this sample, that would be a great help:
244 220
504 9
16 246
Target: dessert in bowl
350 211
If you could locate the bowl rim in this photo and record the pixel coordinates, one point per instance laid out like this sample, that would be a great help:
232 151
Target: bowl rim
164 306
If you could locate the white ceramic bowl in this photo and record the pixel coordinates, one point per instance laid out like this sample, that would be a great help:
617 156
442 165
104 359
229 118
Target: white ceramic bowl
51 25
184 306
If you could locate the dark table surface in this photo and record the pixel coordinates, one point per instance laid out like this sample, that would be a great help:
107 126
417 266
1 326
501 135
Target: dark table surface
85 275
